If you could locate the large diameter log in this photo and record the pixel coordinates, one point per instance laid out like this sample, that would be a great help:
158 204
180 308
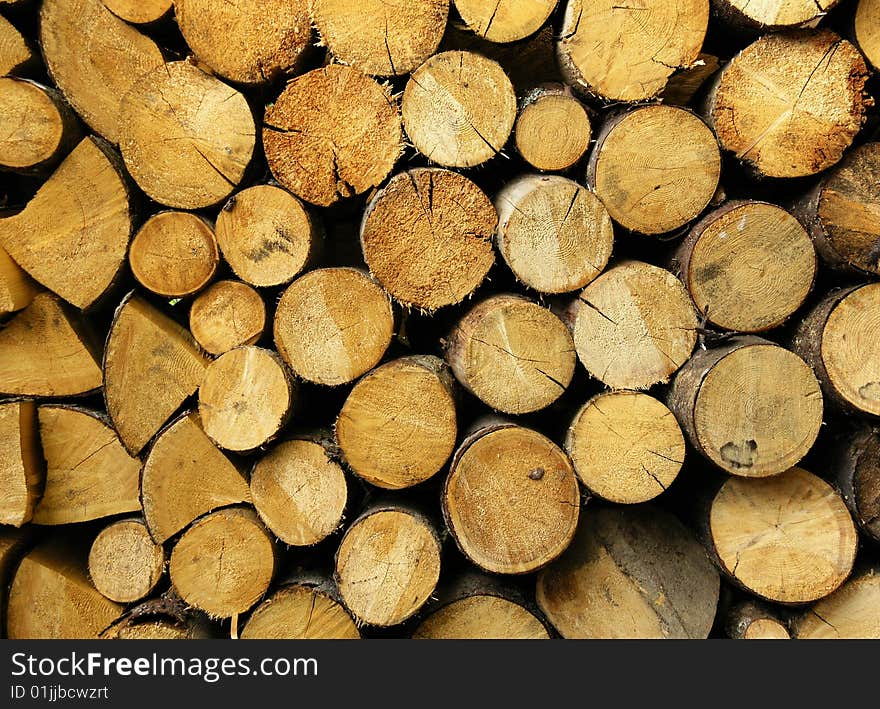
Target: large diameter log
867 30
619 52
853 463
630 573
751 407
552 129
789 104
301 610
139 12
125 564
504 20
511 499
787 538
228 314
773 15
850 613
755 621
21 470
16 55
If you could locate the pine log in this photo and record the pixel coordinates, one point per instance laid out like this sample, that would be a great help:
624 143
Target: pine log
552 130
302 610
21 465
630 573
772 15
228 314
850 613
17 289
853 463
686 83
504 20
397 428
514 355
747 265
555 235
125 564
511 500
626 446
655 168
332 133
140 12
634 326
16 55
755 621
789 104
751 407
867 30
621 52
426 236
186 476
332 325
459 109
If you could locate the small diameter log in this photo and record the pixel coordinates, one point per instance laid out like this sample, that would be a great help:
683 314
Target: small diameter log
773 15
186 137
332 133
301 611
555 235
850 613
249 42
782 117
229 314
459 109
387 565
16 55
622 53
332 325
299 492
427 237
630 573
751 407
245 398
125 564
224 563
504 20
553 129
514 355
787 538
46 350
755 621
164 618
511 500
186 476
21 465
397 428
867 30
17 289
41 128
747 265
634 326
838 339
139 12
73 235
151 365
378 38
655 168
626 446
95 59
174 254
89 475
266 235
854 465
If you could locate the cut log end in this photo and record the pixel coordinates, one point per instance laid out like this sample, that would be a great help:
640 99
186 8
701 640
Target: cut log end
229 314
481 617
125 564
774 15
15 53
867 30
553 131
753 621
300 612
504 20
139 12
850 613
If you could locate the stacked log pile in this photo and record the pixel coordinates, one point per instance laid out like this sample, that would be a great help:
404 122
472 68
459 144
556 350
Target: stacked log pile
432 319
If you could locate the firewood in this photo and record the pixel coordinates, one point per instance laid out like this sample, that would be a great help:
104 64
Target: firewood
249 43
21 469
789 104
17 289
552 129
397 428
301 610
630 573
747 265
459 109
622 52
228 314
332 133
655 168
751 407
867 30
224 563
754 621
426 237
512 354
504 20
166 617
626 447
139 12
16 55
13 544
852 612
853 462
125 564
186 476
555 235
772 16
332 325
622 341
684 85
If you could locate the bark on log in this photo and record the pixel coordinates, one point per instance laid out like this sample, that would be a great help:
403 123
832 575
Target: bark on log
853 464
227 315
755 621
773 15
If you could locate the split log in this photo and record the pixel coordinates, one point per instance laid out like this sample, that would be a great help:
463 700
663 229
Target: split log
332 325
397 428
185 136
13 544
655 168
512 354
21 465
852 612
838 339
853 463
772 16
125 564
747 265
139 12
459 109
620 52
228 314
426 237
17 289
555 235
867 30
787 538
332 133
751 407
552 129
504 20
511 500
626 446
16 55
777 113
754 621
625 344
684 85
630 573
